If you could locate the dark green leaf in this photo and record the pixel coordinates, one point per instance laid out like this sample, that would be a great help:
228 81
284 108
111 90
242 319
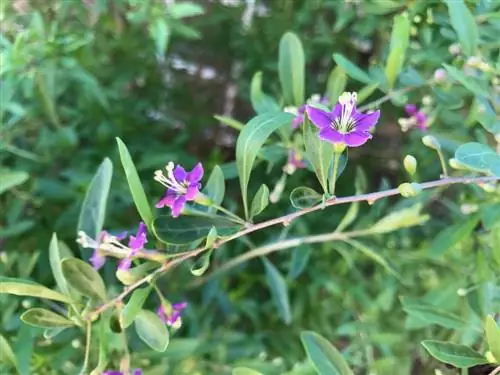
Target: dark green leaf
291 67
377 257
152 330
352 70
133 306
260 201
11 179
300 258
45 319
460 356
304 197
83 278
468 82
465 26
279 291
325 358
452 235
6 354
215 187
400 39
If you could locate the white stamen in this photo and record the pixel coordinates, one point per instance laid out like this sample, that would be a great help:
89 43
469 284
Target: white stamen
169 181
346 123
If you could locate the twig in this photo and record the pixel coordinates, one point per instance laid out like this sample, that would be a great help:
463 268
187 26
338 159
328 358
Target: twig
372 197
495 371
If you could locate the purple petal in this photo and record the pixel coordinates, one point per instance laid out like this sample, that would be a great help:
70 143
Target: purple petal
356 138
179 305
318 117
125 264
331 135
137 371
167 200
161 313
111 372
178 206
97 260
180 173
137 242
122 235
192 192
196 174
297 121
367 121
337 111
411 109
173 318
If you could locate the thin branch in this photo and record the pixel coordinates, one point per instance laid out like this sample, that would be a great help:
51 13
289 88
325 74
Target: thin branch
286 220
495 371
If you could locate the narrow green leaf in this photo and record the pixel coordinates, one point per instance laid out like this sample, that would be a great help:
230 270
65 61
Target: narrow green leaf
261 102
152 330
6 354
55 264
352 70
43 318
366 91
452 235
50 333
83 278
460 356
477 157
351 214
375 256
487 116
93 209
23 348
160 33
260 201
185 9
493 337
245 371
304 197
235 124
279 291
202 263
404 218
133 306
215 187
434 315
300 258
11 179
134 274
465 26
400 39
468 82
249 143
291 67
325 358
337 82
135 185
21 287
186 229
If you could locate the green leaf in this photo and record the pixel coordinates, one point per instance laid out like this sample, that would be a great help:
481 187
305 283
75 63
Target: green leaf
478 157
133 306
337 82
375 256
83 278
404 218
300 258
318 153
11 179
487 116
215 187
184 9
134 274
245 371
135 185
55 264
460 356
465 26
189 228
93 209
451 236
20 287
50 333
202 263
468 82
400 39
352 70
6 354
351 214
235 124
249 143
279 291
160 33
325 358
152 330
291 67
304 197
45 319
366 91
261 102
433 315
260 201
493 337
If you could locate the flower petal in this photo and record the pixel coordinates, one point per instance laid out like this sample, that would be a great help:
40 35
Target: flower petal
180 173
125 264
137 242
366 121
196 174
297 121
411 109
179 305
167 200
137 371
178 206
192 192
318 117
356 138
331 135
97 260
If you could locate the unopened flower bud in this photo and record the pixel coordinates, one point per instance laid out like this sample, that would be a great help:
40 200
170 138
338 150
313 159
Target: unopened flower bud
417 19
410 164
76 343
427 100
26 304
278 189
413 31
3 257
454 49
468 209
440 75
462 292
408 190
431 142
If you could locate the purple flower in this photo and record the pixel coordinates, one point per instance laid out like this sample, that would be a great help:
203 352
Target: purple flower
174 316
181 186
295 161
299 112
135 243
344 124
417 117
98 259
137 371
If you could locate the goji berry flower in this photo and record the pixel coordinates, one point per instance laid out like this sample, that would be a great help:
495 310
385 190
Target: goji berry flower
417 117
299 112
174 316
135 243
344 125
181 186
295 161
137 371
102 243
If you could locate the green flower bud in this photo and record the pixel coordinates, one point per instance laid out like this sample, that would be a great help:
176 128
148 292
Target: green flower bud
410 164
431 142
408 190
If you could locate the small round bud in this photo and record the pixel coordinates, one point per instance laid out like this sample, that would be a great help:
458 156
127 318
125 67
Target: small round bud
417 19
427 100
410 164
431 142
408 190
76 343
277 361
473 61
454 49
27 304
440 75
413 31
3 257
462 292
468 209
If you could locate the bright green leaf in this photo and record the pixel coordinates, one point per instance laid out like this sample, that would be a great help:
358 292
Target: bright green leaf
184 9
460 356
404 218
152 330
261 102
245 371
136 273
477 157
215 187
11 179
6 354
260 201
304 197
81 276
160 33
400 39
291 67
493 337
279 291
21 287
133 306
45 319
337 82
434 315
352 70
465 26
202 263
235 124
55 264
